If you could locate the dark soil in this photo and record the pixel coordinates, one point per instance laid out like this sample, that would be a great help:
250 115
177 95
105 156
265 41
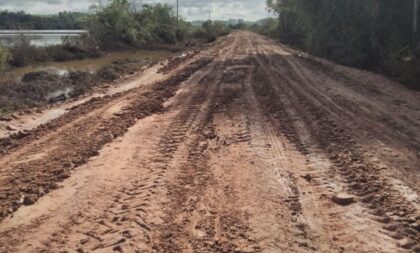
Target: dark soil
116 69
42 88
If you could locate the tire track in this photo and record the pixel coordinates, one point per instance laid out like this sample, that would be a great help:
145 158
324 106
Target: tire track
238 157
133 214
193 175
269 147
351 168
57 159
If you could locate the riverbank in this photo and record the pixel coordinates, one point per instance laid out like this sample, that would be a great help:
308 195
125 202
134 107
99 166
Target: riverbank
17 123
60 59
43 83
90 64
37 89
42 88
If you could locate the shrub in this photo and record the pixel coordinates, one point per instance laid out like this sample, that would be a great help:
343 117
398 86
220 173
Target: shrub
4 58
149 26
211 30
22 52
204 35
114 22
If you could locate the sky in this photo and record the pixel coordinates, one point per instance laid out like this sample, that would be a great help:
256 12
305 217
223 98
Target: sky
190 9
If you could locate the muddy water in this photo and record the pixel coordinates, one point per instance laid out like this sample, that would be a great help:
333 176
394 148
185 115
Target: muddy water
90 65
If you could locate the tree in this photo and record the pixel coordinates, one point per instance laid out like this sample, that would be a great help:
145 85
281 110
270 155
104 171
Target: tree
158 24
21 20
372 34
114 22
146 25
354 32
267 26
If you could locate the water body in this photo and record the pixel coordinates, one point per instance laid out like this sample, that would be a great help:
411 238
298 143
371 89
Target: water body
40 38
90 65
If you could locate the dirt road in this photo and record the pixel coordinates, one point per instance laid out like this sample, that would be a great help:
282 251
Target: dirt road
247 146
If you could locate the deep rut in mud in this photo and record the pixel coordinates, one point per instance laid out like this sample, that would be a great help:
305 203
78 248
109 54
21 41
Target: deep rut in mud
259 149
85 137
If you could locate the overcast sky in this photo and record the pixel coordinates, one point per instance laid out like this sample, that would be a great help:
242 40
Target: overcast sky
191 9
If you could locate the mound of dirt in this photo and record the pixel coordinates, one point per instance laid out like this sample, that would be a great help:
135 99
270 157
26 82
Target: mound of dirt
35 89
42 87
39 75
117 69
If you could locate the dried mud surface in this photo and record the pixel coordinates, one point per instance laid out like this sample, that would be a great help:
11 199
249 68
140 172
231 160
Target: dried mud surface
246 146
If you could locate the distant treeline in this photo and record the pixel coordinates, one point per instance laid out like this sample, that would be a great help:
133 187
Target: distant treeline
370 34
21 20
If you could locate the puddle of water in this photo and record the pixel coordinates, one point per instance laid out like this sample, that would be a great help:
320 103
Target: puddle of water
90 65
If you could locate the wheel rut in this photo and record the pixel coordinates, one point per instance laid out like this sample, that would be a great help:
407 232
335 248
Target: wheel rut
348 169
245 148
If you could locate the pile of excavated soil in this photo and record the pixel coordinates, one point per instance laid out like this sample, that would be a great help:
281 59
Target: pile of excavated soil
41 88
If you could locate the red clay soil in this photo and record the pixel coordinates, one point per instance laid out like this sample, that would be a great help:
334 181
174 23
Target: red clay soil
246 146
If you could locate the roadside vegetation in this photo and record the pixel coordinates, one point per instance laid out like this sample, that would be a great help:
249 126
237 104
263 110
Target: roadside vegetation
210 30
118 25
4 58
374 35
122 23
22 53
268 27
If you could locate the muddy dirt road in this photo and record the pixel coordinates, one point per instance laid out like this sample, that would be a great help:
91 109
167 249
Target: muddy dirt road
246 146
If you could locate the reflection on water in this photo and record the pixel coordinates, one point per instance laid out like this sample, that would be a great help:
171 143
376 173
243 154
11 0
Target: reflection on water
41 38
36 40
90 65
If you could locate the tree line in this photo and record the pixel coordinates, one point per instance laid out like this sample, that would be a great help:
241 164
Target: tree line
372 34
21 20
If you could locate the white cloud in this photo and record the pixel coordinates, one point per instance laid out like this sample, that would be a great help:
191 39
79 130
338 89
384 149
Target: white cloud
190 9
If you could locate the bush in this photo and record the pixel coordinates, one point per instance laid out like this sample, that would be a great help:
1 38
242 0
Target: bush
149 26
4 58
268 27
202 34
22 52
211 30
114 22
86 44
